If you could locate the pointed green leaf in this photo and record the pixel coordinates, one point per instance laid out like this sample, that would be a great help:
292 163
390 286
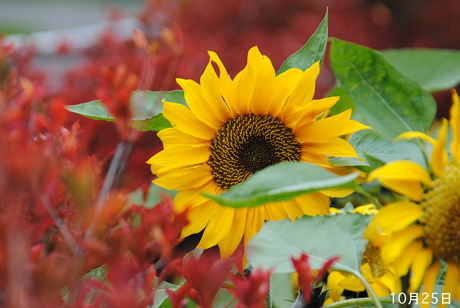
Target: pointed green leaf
313 51
278 241
282 182
145 105
373 148
391 102
434 69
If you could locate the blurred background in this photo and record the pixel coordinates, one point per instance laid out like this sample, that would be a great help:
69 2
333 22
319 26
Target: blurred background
63 45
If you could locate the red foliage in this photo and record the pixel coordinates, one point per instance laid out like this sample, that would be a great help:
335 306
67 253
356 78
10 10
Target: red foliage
306 278
252 291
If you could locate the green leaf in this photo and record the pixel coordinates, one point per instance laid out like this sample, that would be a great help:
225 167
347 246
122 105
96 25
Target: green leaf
313 51
434 69
145 105
278 241
345 102
350 162
282 182
391 102
370 145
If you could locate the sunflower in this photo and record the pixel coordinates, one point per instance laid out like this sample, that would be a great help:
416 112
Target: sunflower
379 275
233 128
427 227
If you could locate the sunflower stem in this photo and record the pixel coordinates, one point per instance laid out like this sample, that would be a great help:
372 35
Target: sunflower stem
359 301
369 196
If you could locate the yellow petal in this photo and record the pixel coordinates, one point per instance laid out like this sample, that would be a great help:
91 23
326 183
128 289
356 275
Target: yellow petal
200 107
408 188
429 281
183 119
419 267
218 227
188 198
412 135
285 84
292 209
243 84
353 126
352 283
264 87
275 212
338 192
401 170
333 281
305 89
334 147
403 177
439 159
254 221
455 124
396 216
315 108
173 136
380 289
406 258
322 130
199 217
313 204
230 242
211 90
225 81
179 156
393 248
450 282
185 178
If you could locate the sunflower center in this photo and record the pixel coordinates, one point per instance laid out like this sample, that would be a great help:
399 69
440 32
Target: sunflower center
249 143
373 257
441 219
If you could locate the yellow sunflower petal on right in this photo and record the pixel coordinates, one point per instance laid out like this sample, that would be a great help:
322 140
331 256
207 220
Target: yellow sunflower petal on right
455 124
412 135
396 216
429 282
403 177
393 248
419 267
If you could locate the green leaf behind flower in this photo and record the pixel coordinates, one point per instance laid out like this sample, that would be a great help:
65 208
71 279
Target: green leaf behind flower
391 102
278 241
313 51
282 182
145 105
377 150
434 69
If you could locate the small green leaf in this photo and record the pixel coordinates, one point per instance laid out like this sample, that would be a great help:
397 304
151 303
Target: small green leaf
350 162
93 110
434 69
145 105
391 102
313 51
278 241
282 182
370 145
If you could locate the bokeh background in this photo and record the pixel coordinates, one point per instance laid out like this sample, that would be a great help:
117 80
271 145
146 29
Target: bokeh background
72 41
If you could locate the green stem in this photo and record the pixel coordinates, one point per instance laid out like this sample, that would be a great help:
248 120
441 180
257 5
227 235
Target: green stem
369 196
359 301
